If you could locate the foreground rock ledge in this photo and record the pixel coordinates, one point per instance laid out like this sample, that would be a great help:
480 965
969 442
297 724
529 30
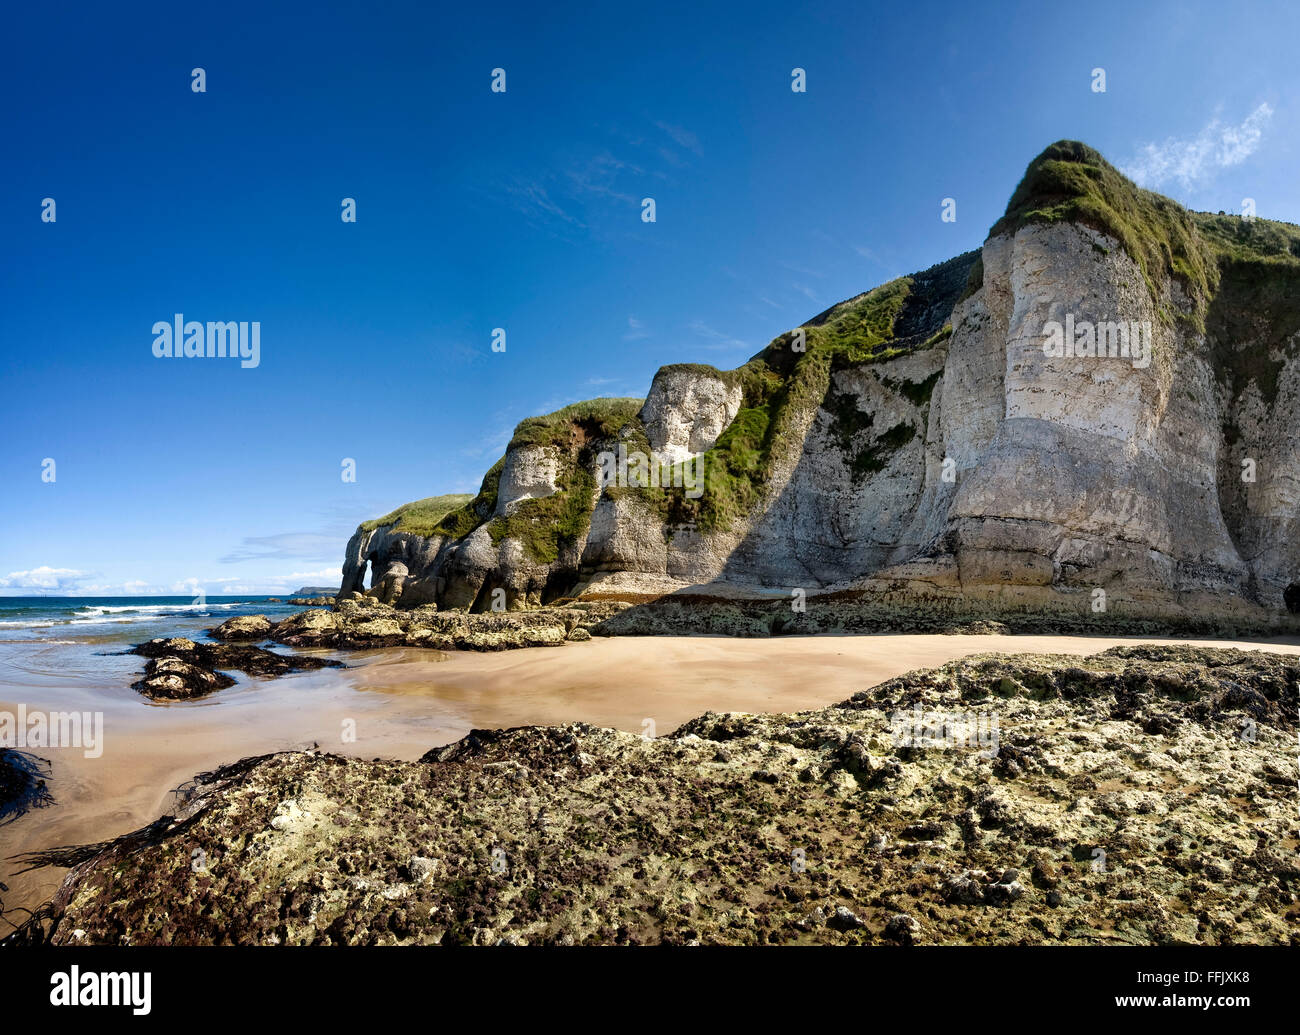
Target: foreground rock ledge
1140 795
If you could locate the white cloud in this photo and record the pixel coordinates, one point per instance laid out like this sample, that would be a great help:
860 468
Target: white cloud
1195 160
68 581
44 577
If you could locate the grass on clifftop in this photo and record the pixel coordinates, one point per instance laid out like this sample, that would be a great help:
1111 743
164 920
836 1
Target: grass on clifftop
462 521
1071 182
594 418
1243 277
421 517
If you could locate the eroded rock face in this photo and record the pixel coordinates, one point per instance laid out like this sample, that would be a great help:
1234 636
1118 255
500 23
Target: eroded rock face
686 410
1099 473
1143 795
528 473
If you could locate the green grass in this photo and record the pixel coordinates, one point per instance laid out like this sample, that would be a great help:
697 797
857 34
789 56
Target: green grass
1070 182
421 517
594 418
545 525
1249 240
857 329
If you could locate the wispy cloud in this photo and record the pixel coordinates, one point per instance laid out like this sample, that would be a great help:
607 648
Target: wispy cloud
1192 161
636 330
286 545
718 340
600 174
590 191
533 199
681 137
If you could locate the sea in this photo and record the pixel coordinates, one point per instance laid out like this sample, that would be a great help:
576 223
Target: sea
109 620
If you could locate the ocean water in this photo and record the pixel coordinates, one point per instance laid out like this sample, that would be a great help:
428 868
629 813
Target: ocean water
100 620
68 638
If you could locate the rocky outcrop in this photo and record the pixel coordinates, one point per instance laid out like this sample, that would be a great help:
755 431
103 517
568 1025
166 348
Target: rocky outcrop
925 440
1143 795
180 669
687 409
369 623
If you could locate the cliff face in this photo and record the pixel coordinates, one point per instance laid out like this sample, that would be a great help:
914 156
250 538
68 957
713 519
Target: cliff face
921 440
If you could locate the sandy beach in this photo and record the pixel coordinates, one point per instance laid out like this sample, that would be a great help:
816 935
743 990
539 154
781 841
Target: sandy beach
400 702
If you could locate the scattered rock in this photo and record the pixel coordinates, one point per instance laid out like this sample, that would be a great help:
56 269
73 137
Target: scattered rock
844 919
179 668
902 928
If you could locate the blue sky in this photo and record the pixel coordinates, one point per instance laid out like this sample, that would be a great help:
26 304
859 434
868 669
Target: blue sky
520 210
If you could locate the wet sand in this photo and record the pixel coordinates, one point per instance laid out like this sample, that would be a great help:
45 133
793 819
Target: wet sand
401 702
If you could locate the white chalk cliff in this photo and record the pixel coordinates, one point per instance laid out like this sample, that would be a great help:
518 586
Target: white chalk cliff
923 442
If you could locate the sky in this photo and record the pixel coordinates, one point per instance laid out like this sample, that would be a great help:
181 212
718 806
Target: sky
520 210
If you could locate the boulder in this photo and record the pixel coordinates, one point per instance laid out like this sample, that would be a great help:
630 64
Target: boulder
242 627
173 679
